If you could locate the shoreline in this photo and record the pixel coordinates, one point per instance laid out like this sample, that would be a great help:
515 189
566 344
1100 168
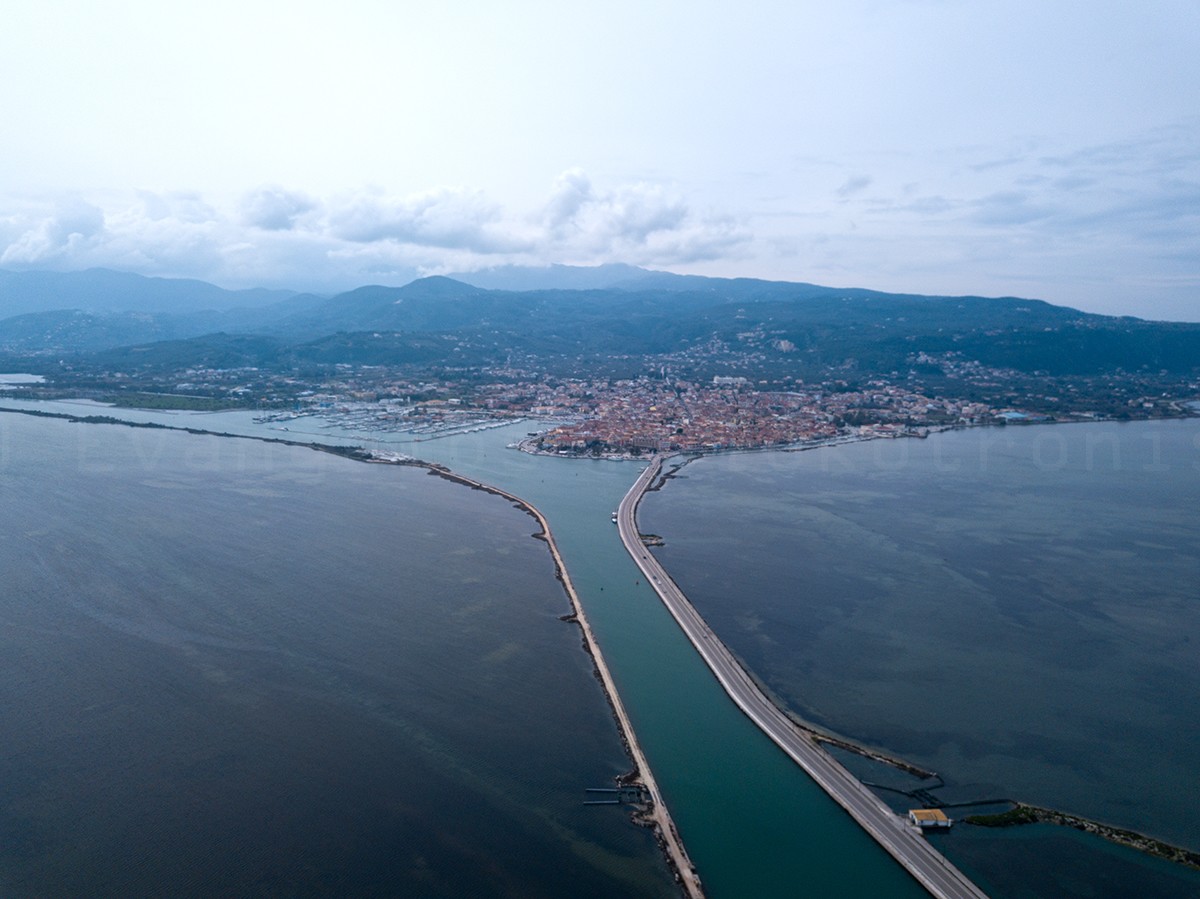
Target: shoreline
801 446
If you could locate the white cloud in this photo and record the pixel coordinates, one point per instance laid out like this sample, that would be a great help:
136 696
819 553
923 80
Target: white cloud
453 219
275 236
1107 226
65 232
572 191
1093 226
274 208
854 185
1009 208
638 223
183 206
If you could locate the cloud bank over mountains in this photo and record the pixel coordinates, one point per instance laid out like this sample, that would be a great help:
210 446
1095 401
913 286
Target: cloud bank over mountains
1107 227
276 236
932 146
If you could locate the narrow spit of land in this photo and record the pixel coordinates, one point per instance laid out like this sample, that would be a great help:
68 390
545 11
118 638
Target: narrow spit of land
902 841
658 813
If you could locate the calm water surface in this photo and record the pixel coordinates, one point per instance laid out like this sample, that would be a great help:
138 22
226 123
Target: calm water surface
753 823
231 668
1017 609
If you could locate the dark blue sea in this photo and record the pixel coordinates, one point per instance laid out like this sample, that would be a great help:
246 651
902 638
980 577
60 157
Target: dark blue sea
1017 609
754 823
306 653
234 668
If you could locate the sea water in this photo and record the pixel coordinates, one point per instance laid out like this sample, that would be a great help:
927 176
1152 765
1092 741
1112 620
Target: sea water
752 821
235 668
1017 609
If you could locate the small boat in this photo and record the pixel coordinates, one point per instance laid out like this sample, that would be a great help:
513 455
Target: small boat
614 517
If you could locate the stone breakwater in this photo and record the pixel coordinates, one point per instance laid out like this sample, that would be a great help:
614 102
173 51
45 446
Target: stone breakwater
1021 813
656 814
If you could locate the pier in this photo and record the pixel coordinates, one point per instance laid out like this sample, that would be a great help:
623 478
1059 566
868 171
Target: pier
902 841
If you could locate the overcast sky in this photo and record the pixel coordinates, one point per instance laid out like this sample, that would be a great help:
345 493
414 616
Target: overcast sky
1046 149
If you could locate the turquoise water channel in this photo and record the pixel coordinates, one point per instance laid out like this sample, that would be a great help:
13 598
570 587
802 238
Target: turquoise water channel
752 821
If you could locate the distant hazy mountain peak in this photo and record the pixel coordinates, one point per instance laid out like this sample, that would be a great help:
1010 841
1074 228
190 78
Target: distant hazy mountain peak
105 290
556 277
440 284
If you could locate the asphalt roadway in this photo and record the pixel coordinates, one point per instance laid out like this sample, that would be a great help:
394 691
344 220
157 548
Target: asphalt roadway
901 839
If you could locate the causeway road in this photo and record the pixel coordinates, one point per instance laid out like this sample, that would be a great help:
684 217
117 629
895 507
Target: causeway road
901 839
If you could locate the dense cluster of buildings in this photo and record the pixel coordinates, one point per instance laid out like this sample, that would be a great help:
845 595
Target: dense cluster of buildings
653 416
658 411
631 417
624 417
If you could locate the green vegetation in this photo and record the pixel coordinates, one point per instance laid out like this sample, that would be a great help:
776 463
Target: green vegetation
1019 814
173 401
1003 353
1030 814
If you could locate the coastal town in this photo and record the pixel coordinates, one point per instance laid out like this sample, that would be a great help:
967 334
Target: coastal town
714 395
631 417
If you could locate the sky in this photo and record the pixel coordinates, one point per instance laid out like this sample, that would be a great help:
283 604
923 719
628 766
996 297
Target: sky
1046 149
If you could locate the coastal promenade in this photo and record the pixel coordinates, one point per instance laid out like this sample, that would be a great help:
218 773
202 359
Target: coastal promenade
903 841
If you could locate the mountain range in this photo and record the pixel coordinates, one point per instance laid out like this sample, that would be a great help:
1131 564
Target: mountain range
570 313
